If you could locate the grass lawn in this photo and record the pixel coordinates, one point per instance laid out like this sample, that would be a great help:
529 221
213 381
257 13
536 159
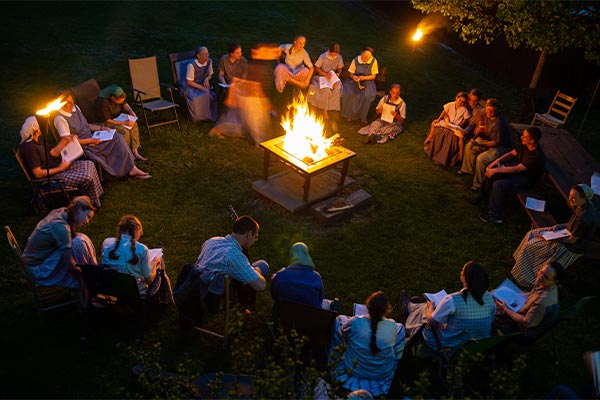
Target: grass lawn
416 233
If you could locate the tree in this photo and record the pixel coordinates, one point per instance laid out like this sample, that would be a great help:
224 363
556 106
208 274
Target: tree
547 26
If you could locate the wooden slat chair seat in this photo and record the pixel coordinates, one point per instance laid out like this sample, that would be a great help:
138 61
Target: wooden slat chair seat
45 298
559 111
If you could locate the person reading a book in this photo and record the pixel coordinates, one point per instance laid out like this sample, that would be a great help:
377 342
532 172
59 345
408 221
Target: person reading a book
487 145
296 68
42 162
375 344
50 253
113 156
117 114
515 171
535 250
540 308
459 316
298 282
454 114
447 143
127 255
392 113
360 89
325 90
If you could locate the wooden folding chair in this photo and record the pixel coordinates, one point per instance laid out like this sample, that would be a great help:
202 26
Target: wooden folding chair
44 298
559 111
147 93
44 189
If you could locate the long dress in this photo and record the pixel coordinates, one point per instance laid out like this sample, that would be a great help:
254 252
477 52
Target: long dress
355 101
202 104
113 156
384 130
535 251
445 148
326 98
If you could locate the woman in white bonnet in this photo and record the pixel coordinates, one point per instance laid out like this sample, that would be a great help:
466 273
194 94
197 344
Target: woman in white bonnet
534 251
42 161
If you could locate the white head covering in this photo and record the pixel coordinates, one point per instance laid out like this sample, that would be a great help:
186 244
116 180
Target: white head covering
29 127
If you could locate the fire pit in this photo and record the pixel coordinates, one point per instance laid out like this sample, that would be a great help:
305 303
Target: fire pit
306 151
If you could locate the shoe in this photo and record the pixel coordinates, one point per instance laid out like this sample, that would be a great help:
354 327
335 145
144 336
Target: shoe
405 300
490 218
474 189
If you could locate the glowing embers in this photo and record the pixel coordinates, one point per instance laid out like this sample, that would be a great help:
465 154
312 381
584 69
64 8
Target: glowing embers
304 133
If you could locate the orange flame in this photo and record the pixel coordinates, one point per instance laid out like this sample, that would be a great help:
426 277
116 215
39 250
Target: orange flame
418 35
54 105
305 136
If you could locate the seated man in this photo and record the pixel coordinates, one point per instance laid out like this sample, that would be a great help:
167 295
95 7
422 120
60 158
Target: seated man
500 179
232 65
225 255
298 282
41 162
479 151
540 308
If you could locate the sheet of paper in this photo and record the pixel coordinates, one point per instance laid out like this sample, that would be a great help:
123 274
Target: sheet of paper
360 309
387 115
513 297
436 298
104 135
596 183
535 204
71 151
551 235
155 256
126 117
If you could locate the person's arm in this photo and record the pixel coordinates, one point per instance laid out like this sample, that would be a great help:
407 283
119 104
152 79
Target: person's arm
259 284
531 319
148 270
189 78
379 108
39 172
400 115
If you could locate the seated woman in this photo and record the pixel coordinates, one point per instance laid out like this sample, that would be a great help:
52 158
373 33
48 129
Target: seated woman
80 174
127 255
199 95
459 317
540 307
392 109
298 282
296 67
360 89
111 104
374 346
49 251
446 145
535 251
113 156
452 121
325 90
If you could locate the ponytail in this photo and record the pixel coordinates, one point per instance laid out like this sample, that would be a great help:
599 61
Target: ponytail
378 306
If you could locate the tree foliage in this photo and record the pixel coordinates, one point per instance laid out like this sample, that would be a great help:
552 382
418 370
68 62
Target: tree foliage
548 26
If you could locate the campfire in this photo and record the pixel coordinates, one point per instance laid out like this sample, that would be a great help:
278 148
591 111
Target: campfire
305 136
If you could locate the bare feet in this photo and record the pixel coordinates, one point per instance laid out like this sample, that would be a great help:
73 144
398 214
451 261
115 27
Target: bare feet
138 173
139 156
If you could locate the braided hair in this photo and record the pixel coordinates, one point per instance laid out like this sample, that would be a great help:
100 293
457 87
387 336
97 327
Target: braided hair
476 282
378 307
129 225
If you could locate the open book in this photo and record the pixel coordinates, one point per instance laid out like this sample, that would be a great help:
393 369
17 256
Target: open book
72 151
360 309
325 83
126 117
104 135
436 298
551 235
513 297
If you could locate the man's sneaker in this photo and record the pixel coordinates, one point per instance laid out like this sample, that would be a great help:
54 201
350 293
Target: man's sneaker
490 218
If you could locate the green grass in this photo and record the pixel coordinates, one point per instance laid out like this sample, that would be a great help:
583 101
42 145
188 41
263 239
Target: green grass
416 233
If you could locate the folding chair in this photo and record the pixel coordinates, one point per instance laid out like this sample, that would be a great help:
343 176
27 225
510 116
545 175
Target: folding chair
86 96
45 189
317 324
44 298
147 93
558 112
179 62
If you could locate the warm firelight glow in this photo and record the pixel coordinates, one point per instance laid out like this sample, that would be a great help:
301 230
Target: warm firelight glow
305 136
418 35
54 105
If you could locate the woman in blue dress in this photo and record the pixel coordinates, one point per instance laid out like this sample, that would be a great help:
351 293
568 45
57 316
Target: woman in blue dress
200 97
359 89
